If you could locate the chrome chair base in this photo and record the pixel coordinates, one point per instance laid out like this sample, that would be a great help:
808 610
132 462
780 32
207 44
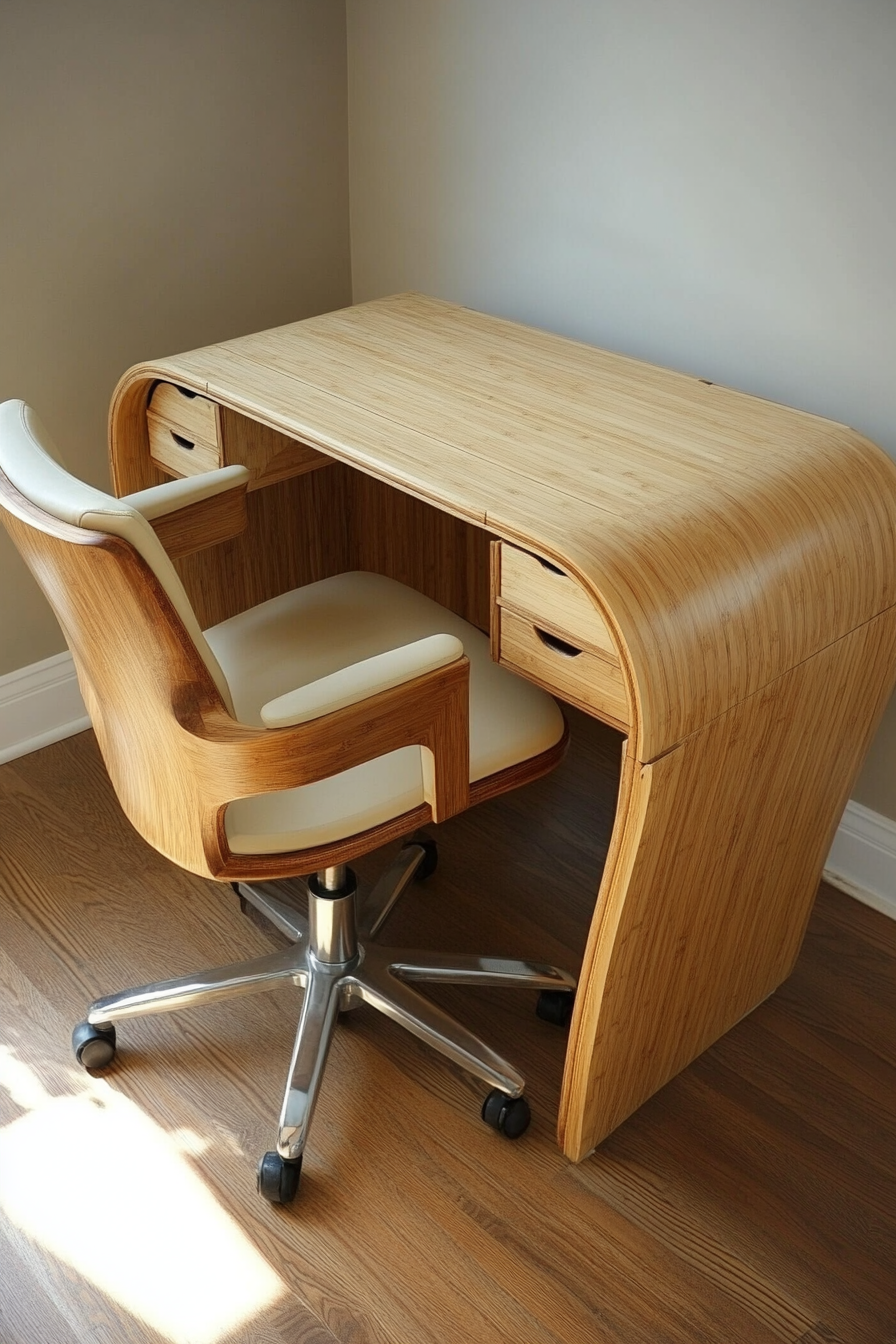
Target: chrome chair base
335 959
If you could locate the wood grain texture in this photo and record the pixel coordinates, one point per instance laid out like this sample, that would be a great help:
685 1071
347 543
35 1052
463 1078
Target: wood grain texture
540 652
272 555
206 522
178 453
174 754
723 538
189 434
712 876
723 554
321 523
197 417
270 456
544 627
532 588
296 533
398 535
750 1200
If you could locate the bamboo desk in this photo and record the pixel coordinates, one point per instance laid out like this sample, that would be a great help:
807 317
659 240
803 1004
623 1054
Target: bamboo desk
724 566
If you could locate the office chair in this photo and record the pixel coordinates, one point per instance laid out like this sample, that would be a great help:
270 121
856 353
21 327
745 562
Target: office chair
285 741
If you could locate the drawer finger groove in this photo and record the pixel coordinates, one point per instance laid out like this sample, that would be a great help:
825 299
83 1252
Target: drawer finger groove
585 678
556 644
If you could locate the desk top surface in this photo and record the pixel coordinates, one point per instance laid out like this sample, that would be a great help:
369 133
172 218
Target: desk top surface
724 538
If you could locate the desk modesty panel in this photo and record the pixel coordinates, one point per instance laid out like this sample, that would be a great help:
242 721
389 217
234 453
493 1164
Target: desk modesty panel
713 574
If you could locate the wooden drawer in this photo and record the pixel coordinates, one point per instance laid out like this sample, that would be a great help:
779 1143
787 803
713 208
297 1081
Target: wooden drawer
184 431
195 416
539 590
178 452
189 434
587 679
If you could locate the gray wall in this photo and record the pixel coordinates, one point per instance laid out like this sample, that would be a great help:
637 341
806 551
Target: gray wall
170 175
709 185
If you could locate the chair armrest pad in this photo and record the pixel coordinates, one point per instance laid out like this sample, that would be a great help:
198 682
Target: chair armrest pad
180 492
361 680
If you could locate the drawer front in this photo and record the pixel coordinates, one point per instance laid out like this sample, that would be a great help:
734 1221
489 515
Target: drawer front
196 417
528 585
173 449
588 680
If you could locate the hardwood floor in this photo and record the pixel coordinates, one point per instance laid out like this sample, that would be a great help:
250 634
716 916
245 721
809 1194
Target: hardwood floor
752 1201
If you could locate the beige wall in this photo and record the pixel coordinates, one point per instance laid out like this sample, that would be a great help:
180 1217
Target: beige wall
709 186
170 175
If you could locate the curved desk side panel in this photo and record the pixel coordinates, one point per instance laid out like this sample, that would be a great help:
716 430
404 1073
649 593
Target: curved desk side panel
712 875
130 464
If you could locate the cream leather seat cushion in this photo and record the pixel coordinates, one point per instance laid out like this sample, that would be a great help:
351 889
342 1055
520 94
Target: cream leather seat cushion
309 633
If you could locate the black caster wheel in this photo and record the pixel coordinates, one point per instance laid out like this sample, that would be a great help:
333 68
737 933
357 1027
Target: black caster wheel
555 1006
94 1047
278 1180
510 1116
430 861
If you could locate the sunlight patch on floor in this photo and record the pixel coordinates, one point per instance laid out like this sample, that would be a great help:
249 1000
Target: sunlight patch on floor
98 1184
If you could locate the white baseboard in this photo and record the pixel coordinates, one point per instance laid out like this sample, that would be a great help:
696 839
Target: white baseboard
40 704
862 861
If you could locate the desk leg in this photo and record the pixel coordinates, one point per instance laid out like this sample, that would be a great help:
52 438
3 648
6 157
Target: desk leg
711 877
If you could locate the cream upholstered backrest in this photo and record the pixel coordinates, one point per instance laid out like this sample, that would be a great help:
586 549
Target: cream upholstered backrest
31 461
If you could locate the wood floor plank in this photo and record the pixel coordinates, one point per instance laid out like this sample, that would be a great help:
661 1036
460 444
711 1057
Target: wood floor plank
28 1315
635 1193
820 1334
750 1201
841 1094
772 1195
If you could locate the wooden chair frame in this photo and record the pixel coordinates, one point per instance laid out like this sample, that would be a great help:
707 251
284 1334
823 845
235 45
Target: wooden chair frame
176 756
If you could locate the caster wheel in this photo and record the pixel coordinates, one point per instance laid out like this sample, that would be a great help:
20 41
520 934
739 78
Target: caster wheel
430 858
555 1006
277 1180
510 1116
94 1047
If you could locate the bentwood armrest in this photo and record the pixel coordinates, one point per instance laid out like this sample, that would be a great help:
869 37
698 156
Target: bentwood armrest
237 761
190 513
361 681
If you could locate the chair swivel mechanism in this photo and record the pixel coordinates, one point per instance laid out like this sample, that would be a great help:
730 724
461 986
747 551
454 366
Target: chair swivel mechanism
272 749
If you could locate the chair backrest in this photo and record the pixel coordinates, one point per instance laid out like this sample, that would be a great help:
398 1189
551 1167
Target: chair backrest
32 462
144 667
